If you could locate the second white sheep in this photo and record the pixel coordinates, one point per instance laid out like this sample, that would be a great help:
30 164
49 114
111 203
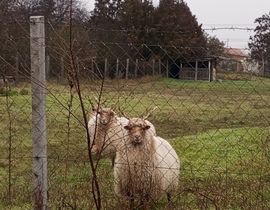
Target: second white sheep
146 166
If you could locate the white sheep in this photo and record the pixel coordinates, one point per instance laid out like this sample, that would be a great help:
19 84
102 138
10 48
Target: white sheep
106 131
146 166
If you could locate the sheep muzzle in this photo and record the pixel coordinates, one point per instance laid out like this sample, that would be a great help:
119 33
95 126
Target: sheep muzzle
104 121
137 139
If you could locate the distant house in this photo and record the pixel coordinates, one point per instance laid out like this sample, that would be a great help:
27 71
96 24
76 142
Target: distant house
250 66
234 59
234 53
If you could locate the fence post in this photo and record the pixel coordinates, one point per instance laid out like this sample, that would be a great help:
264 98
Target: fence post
153 67
17 69
136 68
167 69
38 79
117 68
196 71
62 73
92 67
105 67
127 65
159 67
210 72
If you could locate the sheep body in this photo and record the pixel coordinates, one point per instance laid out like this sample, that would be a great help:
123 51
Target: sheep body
146 166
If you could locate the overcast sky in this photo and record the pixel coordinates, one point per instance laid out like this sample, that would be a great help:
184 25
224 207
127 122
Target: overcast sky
229 13
214 14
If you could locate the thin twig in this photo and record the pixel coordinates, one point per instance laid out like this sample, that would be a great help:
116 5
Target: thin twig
74 81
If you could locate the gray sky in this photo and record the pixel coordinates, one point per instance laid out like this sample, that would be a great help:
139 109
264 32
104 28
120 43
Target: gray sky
214 14
229 13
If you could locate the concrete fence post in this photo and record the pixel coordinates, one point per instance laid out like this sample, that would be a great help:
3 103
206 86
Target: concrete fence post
39 136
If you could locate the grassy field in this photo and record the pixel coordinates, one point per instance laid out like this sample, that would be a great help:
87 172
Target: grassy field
220 131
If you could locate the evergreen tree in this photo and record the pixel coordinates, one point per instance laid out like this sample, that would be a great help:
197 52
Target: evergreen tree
137 21
177 27
103 15
136 18
104 21
47 8
214 47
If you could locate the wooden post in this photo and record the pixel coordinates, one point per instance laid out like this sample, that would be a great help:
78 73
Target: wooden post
180 70
17 70
136 69
159 67
167 69
77 66
92 67
153 67
105 67
127 65
62 74
209 69
38 85
117 68
196 70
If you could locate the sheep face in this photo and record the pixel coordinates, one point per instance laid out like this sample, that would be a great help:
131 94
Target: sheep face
105 114
137 128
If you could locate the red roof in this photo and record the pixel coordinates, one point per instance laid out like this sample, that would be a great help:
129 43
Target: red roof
234 52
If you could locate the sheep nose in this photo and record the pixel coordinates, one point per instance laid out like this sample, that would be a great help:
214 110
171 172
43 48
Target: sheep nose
137 137
103 122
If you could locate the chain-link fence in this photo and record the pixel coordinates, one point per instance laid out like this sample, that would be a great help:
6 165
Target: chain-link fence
213 110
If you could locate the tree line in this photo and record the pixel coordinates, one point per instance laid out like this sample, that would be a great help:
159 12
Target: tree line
119 29
259 44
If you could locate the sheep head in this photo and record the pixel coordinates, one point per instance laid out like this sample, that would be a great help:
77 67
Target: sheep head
106 114
137 128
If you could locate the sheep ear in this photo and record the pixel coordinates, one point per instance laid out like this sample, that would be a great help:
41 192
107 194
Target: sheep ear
112 113
147 127
94 108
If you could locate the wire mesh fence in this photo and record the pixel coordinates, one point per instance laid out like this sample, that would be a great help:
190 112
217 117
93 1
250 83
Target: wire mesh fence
213 110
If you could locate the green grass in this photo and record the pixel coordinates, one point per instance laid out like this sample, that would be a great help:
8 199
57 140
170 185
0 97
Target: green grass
219 129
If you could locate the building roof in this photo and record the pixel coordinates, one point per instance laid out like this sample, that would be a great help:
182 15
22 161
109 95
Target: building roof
234 52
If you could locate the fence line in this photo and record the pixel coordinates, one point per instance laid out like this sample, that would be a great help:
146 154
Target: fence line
132 69
220 130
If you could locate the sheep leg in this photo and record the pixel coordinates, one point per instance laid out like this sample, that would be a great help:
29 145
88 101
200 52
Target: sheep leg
145 202
146 205
169 197
131 200
131 204
113 159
